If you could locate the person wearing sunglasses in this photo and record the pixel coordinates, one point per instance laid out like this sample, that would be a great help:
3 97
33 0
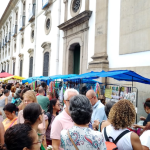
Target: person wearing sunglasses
33 116
21 137
53 109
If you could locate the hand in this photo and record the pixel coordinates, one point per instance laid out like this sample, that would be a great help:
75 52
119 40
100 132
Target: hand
96 124
135 126
142 118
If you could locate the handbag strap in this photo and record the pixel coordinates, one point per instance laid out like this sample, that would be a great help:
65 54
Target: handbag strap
72 141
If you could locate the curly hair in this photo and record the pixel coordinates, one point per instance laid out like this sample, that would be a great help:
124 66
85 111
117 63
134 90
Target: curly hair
122 114
80 109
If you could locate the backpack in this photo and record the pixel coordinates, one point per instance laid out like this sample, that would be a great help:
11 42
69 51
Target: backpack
112 145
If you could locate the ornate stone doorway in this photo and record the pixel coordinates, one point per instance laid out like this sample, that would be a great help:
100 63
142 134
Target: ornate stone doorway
74 59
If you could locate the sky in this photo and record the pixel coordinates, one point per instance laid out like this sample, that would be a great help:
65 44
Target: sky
3 5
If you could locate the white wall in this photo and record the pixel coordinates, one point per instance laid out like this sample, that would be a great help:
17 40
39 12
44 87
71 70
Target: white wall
91 38
116 60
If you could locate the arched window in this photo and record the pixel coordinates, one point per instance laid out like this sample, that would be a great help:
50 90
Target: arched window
46 64
21 63
13 68
31 67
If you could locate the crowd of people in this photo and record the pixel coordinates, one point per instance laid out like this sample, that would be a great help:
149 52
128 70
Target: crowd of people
33 120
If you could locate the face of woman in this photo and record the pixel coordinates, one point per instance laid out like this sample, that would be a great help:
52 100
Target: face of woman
36 143
57 105
27 101
9 115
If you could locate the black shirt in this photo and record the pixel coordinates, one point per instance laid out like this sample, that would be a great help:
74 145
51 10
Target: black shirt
147 120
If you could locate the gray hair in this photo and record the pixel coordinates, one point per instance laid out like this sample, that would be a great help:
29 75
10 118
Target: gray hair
80 109
71 91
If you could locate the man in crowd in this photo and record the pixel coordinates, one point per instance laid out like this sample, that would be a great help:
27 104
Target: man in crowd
17 86
98 107
43 100
63 120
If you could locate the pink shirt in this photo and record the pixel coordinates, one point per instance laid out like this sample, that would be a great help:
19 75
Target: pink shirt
40 126
62 121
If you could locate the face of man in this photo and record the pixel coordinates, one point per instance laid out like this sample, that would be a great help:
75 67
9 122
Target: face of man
91 98
17 85
67 102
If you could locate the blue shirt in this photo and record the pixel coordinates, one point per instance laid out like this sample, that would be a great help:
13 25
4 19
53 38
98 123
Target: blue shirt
98 112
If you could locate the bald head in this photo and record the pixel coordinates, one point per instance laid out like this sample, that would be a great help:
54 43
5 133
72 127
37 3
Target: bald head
91 95
41 91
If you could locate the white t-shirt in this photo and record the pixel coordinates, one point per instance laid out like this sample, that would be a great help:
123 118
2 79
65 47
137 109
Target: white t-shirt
145 139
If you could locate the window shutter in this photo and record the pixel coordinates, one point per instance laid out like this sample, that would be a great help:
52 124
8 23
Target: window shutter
31 67
13 68
46 64
21 63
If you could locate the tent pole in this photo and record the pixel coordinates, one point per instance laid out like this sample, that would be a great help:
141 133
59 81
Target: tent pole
105 82
132 83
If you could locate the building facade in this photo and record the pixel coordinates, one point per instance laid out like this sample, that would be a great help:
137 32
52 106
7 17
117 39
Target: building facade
49 37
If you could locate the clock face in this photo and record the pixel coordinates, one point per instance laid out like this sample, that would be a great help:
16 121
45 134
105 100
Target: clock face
76 5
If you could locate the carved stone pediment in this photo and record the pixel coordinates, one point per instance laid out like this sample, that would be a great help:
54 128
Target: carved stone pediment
21 55
13 58
30 50
75 21
46 45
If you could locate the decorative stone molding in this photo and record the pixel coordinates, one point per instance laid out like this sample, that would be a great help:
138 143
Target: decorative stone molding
77 20
10 18
46 46
23 1
32 25
47 12
48 24
73 14
21 56
8 60
31 51
16 8
14 59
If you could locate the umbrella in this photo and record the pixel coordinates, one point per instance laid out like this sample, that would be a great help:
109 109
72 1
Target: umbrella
5 74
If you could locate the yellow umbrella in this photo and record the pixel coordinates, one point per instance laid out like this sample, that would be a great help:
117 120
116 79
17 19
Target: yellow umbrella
13 77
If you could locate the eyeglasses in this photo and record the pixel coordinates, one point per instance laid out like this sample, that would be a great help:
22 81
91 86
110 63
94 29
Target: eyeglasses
68 100
58 104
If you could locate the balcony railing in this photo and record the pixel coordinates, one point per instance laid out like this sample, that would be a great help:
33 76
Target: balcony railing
15 30
9 37
22 23
32 12
46 3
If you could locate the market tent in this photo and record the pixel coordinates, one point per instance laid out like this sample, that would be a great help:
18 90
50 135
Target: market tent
62 76
31 79
89 75
5 74
125 75
13 77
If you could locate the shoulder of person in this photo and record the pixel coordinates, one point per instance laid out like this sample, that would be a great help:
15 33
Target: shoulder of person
145 134
134 136
63 132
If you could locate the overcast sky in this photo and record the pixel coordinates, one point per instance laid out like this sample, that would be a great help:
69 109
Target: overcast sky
3 5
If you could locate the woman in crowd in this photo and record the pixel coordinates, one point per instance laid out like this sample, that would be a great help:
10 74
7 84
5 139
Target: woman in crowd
52 112
21 137
3 102
2 132
145 137
17 98
121 116
147 110
10 112
50 95
86 138
13 90
28 98
100 125
22 93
